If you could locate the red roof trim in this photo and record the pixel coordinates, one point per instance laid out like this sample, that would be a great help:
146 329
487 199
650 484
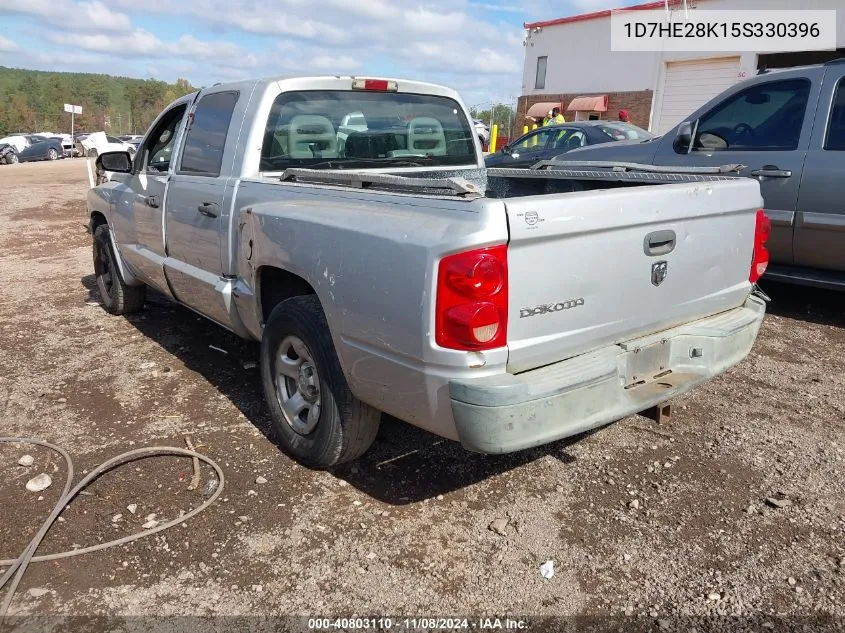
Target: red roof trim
601 14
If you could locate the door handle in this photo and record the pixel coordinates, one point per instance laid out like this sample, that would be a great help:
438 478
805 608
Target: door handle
208 209
771 171
153 202
659 243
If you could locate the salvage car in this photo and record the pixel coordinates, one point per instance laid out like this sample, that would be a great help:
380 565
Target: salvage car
482 130
99 142
8 154
553 140
502 308
18 141
787 127
41 148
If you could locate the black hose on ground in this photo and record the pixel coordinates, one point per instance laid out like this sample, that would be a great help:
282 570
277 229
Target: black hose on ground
17 566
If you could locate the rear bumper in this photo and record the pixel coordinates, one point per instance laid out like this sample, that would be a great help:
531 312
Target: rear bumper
510 412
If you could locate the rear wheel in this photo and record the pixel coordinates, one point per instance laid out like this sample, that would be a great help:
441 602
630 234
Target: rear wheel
52 154
92 153
315 417
117 297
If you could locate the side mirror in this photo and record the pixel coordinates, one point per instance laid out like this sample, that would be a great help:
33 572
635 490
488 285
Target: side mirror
683 142
120 162
506 149
683 137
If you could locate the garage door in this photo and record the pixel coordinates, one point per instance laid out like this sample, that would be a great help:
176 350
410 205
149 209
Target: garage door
690 84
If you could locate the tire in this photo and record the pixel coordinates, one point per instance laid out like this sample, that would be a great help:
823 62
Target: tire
52 154
92 153
336 427
117 297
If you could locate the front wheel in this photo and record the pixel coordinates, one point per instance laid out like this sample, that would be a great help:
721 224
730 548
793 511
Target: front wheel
116 295
315 417
92 153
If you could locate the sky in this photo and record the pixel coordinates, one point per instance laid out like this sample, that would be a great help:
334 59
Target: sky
474 46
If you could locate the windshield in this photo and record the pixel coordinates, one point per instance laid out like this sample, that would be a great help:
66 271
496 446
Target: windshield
339 129
619 131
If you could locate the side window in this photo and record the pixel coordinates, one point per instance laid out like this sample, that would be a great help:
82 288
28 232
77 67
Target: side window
540 77
112 139
764 117
559 141
158 148
836 126
537 140
206 135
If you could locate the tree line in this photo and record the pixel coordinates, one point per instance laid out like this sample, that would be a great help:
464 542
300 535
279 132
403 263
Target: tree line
33 101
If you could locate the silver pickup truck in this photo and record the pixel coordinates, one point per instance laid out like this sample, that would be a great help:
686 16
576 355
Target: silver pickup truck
384 269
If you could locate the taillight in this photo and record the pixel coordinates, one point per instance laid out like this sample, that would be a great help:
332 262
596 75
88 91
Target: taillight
472 299
760 261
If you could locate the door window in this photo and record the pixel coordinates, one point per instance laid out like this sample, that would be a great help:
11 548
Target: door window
764 117
566 140
534 141
836 124
158 148
206 135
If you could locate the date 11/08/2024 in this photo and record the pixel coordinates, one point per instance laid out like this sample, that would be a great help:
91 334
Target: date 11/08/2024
420 623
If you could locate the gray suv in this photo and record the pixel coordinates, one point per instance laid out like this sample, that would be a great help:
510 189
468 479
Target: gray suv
788 128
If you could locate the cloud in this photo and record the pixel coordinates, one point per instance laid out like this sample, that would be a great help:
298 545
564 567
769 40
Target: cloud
474 46
141 43
506 8
89 16
7 45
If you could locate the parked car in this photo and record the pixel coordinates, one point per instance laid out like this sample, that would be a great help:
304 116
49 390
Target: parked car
394 276
482 131
552 140
99 142
18 141
42 149
8 154
787 127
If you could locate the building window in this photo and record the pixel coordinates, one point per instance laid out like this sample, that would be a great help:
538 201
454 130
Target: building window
540 79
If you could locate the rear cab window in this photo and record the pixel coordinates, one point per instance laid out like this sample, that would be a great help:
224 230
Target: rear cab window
624 132
205 139
339 129
835 138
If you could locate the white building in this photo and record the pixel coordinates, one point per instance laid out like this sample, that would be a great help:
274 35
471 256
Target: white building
571 57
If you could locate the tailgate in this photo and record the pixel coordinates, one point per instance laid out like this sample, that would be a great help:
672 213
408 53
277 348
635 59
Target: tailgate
594 268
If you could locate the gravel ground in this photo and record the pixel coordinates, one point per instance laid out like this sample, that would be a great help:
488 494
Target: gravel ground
736 507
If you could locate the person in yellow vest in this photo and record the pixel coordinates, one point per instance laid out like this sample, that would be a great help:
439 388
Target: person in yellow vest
554 118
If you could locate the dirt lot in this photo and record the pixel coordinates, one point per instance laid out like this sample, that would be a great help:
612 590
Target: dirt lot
639 519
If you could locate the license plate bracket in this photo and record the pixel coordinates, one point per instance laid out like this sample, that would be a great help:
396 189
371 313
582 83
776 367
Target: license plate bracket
647 363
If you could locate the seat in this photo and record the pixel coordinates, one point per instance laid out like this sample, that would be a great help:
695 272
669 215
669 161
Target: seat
426 135
574 142
311 136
